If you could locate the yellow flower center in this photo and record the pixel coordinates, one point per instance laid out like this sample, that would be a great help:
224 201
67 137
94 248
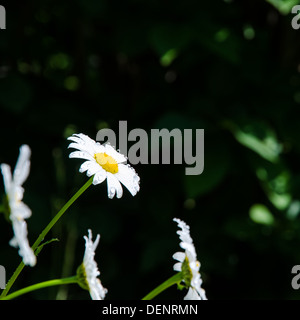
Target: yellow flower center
107 162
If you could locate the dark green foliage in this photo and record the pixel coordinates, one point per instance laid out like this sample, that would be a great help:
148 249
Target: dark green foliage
229 67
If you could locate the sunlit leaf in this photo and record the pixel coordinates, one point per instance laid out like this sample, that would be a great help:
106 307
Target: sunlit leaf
259 213
258 137
275 181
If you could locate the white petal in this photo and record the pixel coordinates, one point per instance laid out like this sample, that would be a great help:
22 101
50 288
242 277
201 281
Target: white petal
19 210
93 169
189 250
129 178
75 139
185 236
113 186
201 293
14 242
192 295
83 143
86 165
84 139
97 291
177 267
195 266
187 246
81 147
181 223
99 177
22 167
99 148
7 178
81 155
20 240
179 256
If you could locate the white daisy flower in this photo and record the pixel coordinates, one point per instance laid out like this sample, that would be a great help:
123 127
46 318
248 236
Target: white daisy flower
18 210
104 162
88 272
188 263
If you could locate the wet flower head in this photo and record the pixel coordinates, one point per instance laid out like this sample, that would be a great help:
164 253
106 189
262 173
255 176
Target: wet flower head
18 211
188 263
104 162
88 272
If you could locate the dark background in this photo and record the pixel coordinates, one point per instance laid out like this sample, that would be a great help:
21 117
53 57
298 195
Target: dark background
228 67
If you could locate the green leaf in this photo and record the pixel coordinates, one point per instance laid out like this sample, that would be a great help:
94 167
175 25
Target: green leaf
259 213
40 247
258 137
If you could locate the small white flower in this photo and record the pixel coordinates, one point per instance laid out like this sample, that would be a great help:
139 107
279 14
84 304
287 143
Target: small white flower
188 263
18 210
104 162
88 271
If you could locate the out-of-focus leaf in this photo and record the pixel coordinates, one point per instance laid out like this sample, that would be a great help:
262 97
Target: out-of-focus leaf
258 137
275 179
168 57
59 61
166 37
280 201
283 6
293 210
259 213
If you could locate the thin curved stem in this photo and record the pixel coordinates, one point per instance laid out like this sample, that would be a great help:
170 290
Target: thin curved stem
37 286
176 279
44 233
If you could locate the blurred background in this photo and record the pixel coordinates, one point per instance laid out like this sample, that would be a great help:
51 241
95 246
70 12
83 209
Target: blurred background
228 67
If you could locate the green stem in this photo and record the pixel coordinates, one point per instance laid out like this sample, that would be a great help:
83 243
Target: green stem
44 233
60 213
49 283
176 279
